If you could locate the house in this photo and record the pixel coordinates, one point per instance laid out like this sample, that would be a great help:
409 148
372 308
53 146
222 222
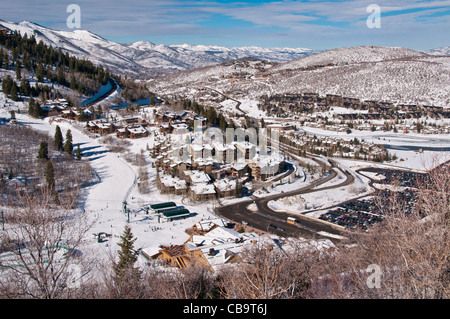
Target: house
204 226
137 131
196 150
196 177
166 128
223 153
69 114
219 246
280 127
179 128
172 185
101 127
132 120
122 132
264 168
202 192
225 187
174 255
239 170
244 150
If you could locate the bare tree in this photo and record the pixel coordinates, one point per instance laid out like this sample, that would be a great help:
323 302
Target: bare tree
40 244
268 273
405 256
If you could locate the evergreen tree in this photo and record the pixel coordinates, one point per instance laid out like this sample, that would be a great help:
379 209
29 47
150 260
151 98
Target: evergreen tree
14 95
127 254
50 175
68 146
127 278
25 88
78 154
73 83
58 139
18 74
40 73
33 108
61 76
43 151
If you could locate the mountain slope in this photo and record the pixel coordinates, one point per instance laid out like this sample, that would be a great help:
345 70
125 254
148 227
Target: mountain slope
398 75
346 56
143 57
439 51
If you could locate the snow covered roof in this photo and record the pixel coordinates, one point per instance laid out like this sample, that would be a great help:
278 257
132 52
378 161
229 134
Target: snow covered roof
225 184
203 189
198 176
244 145
221 147
206 225
170 181
138 129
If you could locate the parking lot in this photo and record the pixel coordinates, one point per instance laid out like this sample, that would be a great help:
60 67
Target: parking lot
363 213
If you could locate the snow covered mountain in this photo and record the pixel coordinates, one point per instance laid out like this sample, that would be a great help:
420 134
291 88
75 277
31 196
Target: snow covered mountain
145 58
397 75
439 51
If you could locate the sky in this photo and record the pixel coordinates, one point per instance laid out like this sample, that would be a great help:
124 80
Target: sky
313 24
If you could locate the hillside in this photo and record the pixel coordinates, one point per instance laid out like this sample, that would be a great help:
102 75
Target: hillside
439 51
398 75
144 58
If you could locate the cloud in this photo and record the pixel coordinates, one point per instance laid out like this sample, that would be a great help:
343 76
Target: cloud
284 21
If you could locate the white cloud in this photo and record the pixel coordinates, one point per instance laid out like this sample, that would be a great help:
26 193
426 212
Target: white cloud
318 23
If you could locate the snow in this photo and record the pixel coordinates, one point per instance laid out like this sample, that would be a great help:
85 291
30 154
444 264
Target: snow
399 144
116 184
141 57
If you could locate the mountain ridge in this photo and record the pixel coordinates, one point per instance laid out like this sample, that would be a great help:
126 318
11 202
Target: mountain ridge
395 74
144 57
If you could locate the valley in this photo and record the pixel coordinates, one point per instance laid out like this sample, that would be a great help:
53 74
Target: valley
292 149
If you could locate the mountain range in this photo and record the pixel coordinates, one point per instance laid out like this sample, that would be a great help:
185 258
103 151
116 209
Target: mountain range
394 74
144 58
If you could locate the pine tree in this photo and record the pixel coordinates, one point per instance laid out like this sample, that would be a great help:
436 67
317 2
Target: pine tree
78 154
50 175
58 139
73 83
14 95
40 73
18 73
68 146
31 107
43 151
127 254
127 278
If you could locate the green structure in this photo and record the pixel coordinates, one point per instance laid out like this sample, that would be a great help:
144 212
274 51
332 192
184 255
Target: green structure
156 207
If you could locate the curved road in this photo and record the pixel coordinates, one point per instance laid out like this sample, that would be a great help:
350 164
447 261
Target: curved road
266 219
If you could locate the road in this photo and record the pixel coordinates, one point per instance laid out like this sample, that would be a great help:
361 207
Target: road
266 219
229 98
114 87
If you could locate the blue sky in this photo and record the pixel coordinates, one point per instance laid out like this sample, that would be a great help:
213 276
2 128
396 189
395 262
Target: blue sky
415 24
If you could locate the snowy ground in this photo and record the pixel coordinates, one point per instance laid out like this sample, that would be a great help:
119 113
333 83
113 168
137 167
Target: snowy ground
117 183
398 144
